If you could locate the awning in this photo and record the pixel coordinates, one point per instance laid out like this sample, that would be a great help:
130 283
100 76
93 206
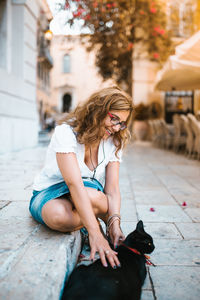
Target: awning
182 70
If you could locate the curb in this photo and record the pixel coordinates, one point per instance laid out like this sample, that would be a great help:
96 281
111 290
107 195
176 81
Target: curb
38 267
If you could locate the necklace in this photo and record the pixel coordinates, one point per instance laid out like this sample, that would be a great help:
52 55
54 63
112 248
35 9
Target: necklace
94 169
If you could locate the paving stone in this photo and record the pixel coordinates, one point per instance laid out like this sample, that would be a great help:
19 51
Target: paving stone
16 209
162 214
3 204
190 231
177 283
147 295
183 191
194 213
162 230
14 231
191 199
128 227
145 182
187 171
128 213
176 252
154 197
16 195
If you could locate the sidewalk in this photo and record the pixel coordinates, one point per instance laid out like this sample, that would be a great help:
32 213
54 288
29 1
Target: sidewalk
163 180
33 259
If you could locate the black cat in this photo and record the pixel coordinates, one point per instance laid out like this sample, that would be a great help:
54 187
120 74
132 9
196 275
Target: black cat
95 282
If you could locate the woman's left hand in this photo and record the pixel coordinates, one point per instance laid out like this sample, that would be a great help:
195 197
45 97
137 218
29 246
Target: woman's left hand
116 235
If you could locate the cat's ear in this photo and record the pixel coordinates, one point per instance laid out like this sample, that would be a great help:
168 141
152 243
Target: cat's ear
140 226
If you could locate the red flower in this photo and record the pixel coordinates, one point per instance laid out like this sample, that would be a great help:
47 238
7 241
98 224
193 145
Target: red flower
152 209
153 10
162 31
109 5
87 17
141 12
156 55
184 204
157 28
114 4
130 46
77 13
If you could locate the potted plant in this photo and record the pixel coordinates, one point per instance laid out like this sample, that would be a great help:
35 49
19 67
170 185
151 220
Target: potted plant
140 122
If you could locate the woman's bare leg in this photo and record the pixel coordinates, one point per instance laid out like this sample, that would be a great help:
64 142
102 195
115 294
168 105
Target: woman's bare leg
60 214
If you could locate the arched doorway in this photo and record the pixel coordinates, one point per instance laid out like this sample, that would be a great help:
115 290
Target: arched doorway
67 99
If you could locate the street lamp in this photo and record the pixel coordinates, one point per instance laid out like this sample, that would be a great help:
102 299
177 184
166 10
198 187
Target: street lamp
48 35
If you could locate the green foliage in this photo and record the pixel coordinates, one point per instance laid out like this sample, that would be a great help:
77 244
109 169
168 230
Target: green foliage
118 27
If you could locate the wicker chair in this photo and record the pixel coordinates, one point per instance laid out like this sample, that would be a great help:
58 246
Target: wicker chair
190 135
168 131
180 134
195 125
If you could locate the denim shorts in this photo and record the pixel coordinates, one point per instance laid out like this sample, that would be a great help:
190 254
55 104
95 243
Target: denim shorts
40 198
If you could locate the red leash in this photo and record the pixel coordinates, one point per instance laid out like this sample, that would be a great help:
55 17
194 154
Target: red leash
148 262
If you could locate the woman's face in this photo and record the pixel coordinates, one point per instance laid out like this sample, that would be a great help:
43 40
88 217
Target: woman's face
110 128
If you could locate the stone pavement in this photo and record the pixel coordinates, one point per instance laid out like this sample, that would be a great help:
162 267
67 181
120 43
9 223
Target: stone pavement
33 259
160 179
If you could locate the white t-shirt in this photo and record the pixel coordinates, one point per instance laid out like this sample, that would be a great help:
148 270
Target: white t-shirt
64 141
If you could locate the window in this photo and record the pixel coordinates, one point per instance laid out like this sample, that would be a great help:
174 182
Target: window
181 17
66 63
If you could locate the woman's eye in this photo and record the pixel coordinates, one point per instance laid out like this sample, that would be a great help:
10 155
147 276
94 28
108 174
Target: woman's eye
149 244
115 120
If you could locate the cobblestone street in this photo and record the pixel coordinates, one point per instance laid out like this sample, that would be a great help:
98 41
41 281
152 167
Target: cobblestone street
158 186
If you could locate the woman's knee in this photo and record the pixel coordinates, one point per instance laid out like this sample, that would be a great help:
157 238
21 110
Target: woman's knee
54 215
98 200
59 220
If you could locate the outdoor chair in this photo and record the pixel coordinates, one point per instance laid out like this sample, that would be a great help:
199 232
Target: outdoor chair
168 131
190 135
179 140
154 132
160 135
195 125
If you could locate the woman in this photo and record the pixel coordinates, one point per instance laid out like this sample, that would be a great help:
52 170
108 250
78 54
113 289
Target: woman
79 182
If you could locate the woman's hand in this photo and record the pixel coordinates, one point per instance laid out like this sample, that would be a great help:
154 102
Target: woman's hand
115 234
99 244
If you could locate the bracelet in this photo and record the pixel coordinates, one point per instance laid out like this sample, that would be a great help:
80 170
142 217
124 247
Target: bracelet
110 222
112 216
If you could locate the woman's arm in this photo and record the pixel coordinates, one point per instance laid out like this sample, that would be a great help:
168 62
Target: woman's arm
114 200
68 165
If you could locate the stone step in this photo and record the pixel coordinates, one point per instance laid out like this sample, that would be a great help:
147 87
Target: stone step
34 262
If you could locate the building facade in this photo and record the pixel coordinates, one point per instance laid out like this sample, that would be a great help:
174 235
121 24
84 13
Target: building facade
18 61
74 75
44 65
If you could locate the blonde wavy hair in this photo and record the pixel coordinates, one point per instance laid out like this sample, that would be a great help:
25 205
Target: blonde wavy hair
87 119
